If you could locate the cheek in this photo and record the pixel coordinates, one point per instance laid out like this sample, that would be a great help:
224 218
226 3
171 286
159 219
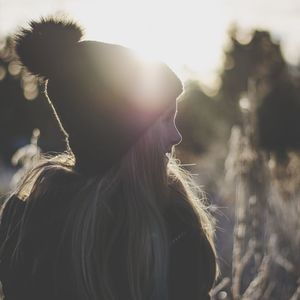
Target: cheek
169 130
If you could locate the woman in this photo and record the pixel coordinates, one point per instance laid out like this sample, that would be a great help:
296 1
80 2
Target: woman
113 217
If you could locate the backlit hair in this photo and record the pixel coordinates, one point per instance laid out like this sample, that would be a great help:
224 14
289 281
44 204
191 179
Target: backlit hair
127 202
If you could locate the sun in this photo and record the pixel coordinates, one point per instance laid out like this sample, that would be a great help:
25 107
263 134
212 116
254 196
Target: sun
187 35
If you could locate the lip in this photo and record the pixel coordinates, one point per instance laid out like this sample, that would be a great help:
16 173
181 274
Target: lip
167 155
169 151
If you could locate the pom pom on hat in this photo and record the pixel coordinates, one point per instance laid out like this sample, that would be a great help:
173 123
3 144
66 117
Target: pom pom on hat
41 48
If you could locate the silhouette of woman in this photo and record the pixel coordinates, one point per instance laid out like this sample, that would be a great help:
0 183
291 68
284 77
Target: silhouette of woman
113 217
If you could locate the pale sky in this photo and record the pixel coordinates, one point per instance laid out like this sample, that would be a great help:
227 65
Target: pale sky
189 35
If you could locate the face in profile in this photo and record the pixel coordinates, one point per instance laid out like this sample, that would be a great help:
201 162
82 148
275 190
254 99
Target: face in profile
171 135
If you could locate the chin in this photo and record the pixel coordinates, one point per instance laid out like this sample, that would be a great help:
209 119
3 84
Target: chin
167 156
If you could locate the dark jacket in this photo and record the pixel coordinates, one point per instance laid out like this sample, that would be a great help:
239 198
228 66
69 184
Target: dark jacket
191 271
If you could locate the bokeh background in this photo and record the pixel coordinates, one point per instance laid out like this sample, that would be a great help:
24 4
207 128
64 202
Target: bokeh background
240 118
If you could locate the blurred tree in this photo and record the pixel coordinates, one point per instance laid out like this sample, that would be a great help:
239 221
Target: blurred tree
278 120
14 119
23 107
259 59
277 85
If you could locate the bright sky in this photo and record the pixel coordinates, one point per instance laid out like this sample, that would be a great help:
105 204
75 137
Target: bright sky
189 35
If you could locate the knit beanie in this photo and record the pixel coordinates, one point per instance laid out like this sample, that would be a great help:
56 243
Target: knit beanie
103 95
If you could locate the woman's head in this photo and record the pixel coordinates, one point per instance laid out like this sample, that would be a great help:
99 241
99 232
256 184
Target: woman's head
104 95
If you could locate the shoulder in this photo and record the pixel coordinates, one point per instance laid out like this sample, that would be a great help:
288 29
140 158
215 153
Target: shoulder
10 221
11 212
192 266
10 204
193 246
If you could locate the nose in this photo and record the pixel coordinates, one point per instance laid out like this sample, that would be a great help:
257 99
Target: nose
176 137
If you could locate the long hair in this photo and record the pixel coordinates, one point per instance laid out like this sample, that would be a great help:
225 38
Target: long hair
126 204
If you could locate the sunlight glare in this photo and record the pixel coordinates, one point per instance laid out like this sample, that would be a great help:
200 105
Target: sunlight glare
163 30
